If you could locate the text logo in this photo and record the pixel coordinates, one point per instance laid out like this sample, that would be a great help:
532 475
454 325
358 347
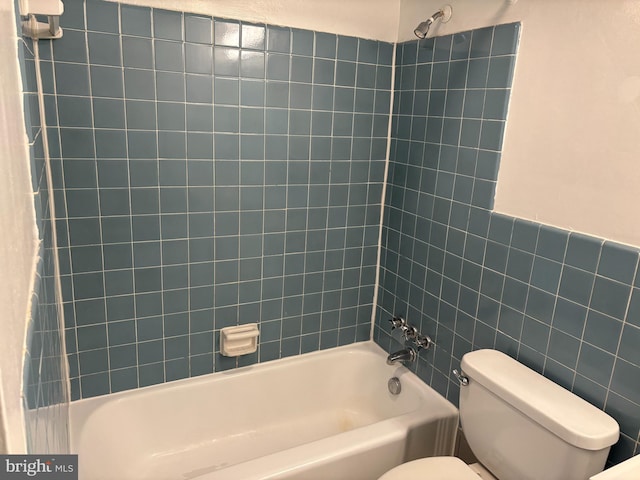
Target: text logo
50 467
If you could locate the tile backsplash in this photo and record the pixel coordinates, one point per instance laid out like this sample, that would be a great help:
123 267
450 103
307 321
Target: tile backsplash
565 304
211 173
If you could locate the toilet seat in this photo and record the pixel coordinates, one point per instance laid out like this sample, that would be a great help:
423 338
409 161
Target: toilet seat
432 468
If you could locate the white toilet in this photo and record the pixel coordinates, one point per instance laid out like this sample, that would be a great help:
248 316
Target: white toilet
520 426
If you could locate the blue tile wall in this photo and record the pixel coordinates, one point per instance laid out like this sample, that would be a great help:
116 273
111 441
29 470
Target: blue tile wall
565 304
45 392
211 173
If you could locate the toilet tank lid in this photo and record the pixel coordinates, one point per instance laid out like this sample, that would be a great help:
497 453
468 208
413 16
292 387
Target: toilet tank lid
561 412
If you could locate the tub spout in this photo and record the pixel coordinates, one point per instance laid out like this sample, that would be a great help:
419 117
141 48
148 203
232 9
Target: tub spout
408 354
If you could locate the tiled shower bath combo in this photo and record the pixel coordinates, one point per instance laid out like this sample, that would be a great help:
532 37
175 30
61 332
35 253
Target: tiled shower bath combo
209 172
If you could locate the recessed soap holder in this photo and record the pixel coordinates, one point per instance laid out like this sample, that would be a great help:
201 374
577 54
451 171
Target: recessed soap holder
240 340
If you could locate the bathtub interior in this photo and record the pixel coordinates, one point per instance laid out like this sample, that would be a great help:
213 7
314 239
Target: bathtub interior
202 425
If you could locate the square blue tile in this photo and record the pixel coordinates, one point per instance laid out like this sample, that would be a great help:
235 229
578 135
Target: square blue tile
277 94
137 52
367 51
199 146
72 47
253 36
277 66
74 112
171 145
477 73
595 364
94 385
226 33
170 86
200 118
602 331
442 50
546 274
491 134
227 119
278 39
525 235
102 17
72 79
151 374
226 62
563 348
301 69
141 115
226 91
135 20
199 88
347 48
104 49
198 29
143 145
124 379
505 39
576 285
252 64
624 380
171 116
610 297
481 42
500 72
167 24
583 252
496 102
302 42
325 45
198 59
618 262
252 93
139 84
425 50
169 56
73 15
569 317
110 144
461 45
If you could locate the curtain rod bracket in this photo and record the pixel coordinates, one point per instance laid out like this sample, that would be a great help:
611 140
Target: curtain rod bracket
31 27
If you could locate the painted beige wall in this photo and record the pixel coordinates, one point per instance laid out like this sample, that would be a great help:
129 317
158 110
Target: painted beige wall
17 236
571 155
376 19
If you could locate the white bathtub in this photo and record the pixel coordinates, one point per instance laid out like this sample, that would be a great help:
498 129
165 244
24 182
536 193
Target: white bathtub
323 415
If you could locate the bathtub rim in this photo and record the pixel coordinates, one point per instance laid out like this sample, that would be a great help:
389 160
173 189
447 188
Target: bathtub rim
367 346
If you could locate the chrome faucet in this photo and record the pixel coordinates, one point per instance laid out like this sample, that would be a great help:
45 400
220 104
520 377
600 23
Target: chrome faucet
408 354
411 335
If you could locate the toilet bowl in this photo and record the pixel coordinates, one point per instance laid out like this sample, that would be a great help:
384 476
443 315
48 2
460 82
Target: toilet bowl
435 468
520 426
438 468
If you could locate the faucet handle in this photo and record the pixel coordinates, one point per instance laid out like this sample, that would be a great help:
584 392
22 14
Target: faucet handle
410 333
397 322
423 341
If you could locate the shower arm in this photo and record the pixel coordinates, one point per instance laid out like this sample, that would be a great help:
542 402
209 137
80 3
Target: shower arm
444 14
435 16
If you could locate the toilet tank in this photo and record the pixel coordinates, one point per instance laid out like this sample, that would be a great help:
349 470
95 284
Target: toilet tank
522 426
